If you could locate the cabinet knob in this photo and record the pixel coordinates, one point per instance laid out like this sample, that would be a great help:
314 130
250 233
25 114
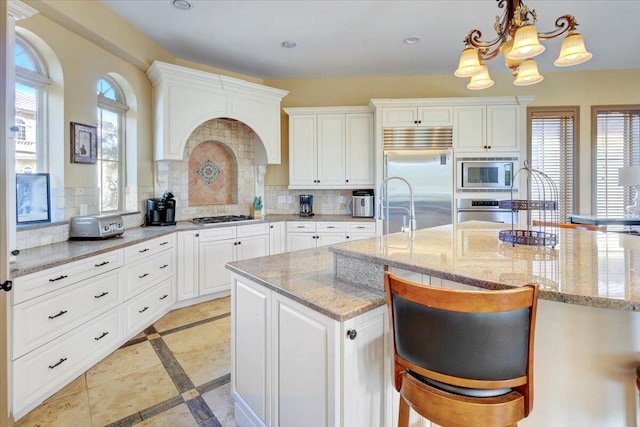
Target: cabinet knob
197 234
347 180
489 147
351 334
271 226
419 121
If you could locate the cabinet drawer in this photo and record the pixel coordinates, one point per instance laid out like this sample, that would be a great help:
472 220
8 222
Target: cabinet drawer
40 320
146 307
142 275
252 230
222 233
330 226
150 247
361 227
301 226
43 282
38 374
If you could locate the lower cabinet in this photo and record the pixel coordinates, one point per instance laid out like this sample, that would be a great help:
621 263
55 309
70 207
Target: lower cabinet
292 366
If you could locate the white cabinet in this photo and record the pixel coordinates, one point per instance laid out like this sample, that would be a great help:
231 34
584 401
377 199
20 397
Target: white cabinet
411 116
330 147
359 230
277 238
311 234
492 128
188 264
292 364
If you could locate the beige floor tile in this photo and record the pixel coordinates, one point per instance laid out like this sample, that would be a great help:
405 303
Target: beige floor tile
221 403
71 410
75 386
195 338
179 317
178 416
206 363
224 325
113 400
122 363
214 307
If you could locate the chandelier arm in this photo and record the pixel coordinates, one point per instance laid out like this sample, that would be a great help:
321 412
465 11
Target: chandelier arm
564 24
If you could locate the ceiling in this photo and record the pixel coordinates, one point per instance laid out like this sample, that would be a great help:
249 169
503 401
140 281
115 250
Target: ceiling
342 38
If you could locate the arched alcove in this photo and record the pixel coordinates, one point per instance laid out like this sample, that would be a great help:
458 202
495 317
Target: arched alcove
213 175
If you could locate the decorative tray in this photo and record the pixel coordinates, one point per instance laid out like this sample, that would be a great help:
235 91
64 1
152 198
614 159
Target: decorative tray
528 237
528 205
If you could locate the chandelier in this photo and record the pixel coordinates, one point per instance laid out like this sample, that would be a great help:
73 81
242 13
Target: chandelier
518 41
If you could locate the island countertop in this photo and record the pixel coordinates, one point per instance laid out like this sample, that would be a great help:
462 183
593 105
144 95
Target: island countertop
587 268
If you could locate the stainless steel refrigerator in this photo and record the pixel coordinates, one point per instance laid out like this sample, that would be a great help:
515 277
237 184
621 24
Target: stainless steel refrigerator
430 173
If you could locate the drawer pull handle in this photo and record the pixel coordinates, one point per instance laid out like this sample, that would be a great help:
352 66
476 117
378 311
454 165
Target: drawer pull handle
143 310
164 296
164 243
54 365
58 315
164 266
58 278
143 276
102 263
331 226
300 226
143 250
101 295
360 227
104 334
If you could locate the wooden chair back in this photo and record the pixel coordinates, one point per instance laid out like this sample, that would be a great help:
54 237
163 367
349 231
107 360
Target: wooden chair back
448 341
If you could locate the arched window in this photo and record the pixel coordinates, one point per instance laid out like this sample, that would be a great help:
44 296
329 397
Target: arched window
111 115
31 103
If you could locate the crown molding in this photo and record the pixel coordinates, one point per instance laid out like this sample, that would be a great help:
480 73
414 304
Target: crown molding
18 10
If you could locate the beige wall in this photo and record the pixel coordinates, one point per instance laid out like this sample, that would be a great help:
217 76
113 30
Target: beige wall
582 88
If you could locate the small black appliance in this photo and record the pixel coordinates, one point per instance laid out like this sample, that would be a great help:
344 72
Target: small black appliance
161 211
306 205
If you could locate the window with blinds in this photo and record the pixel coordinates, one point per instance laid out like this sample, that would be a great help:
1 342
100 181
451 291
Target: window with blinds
552 150
616 140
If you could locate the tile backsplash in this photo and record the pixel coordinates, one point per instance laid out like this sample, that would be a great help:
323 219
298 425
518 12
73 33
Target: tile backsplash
281 200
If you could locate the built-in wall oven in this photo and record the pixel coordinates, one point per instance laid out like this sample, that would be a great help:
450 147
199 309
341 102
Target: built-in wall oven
483 210
484 174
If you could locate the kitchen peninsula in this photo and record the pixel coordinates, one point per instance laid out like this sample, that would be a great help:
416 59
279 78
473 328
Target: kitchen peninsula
300 311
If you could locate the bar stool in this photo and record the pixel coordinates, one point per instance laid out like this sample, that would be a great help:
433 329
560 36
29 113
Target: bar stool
462 358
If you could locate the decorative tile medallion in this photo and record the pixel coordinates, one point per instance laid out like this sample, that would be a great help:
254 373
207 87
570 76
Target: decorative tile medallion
208 171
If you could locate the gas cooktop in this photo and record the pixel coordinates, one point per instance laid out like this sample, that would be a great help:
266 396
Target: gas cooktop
221 218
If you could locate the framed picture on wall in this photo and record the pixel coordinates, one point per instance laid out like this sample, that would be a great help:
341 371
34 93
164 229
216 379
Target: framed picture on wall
84 143
32 198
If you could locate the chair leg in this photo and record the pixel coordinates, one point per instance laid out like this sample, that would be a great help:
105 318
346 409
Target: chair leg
403 413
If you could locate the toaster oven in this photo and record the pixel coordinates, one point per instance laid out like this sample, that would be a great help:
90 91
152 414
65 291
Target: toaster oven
95 227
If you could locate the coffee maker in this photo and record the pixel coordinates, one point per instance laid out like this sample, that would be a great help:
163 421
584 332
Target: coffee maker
161 211
306 205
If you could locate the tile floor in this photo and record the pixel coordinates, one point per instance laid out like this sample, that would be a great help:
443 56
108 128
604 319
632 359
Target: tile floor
175 373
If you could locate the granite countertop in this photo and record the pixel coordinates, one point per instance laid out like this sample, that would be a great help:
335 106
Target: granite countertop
307 277
43 257
586 268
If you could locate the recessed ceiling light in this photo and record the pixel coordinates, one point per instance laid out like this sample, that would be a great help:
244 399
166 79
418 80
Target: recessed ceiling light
181 4
288 44
413 40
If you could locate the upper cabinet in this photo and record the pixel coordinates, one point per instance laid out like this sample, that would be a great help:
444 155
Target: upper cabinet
330 147
491 128
184 98
417 116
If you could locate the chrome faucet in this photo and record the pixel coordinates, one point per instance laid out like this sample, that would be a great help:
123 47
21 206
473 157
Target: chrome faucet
412 210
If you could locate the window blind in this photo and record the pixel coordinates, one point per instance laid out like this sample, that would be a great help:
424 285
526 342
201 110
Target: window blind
617 144
551 150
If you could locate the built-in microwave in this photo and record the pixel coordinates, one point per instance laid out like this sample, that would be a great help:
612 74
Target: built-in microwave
485 174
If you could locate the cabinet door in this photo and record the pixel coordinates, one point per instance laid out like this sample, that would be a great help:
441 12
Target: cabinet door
298 241
435 116
364 377
399 117
325 239
252 247
187 265
304 366
302 150
469 128
359 150
277 238
213 256
331 150
502 127
251 346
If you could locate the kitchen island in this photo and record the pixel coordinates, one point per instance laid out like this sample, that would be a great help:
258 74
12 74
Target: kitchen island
588 330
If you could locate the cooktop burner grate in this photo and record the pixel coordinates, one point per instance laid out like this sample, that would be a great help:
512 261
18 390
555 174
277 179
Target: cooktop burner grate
221 218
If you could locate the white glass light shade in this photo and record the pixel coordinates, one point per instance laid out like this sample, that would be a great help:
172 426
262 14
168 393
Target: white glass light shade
505 48
629 176
572 51
528 74
481 80
525 43
469 63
